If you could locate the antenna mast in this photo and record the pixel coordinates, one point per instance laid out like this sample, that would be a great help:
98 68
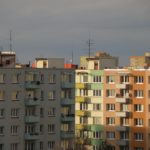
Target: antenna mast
10 42
72 57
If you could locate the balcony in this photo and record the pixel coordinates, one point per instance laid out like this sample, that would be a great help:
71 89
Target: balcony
32 119
32 84
67 101
83 86
67 134
122 100
121 86
122 128
82 99
32 102
122 142
83 127
67 118
122 114
83 113
31 136
67 84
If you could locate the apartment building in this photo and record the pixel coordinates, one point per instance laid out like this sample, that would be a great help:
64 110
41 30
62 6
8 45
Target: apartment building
37 109
89 109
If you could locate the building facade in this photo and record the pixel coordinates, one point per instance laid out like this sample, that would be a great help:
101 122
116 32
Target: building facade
36 109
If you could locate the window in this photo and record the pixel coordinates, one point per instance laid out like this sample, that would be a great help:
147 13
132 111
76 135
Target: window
138 108
97 120
138 122
52 95
139 79
52 78
42 95
83 120
110 107
124 121
41 145
41 128
85 78
139 136
15 95
41 112
110 135
15 112
124 107
15 78
97 134
139 93
14 146
110 121
51 145
51 128
124 147
52 111
1 146
2 78
97 79
124 135
83 106
1 130
2 94
138 148
124 79
110 79
2 113
96 92
14 130
96 107
110 93
83 92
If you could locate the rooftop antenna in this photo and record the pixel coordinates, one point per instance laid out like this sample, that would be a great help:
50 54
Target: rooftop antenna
72 57
89 42
10 44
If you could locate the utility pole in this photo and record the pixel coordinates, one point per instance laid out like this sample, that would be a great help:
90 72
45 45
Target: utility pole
10 44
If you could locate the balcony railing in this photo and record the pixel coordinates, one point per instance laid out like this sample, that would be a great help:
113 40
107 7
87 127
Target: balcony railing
32 119
31 136
122 128
67 101
32 84
122 142
32 101
67 134
67 118
122 114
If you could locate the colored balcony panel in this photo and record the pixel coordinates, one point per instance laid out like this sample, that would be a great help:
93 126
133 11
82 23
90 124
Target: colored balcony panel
83 86
122 114
32 84
122 142
67 85
67 101
96 127
67 134
121 86
32 119
83 127
31 136
122 128
96 141
97 72
83 113
82 99
32 102
96 86
122 100
67 118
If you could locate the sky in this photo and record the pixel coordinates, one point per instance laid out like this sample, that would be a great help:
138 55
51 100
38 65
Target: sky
56 28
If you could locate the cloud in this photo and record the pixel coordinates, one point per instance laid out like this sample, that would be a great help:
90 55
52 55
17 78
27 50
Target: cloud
55 28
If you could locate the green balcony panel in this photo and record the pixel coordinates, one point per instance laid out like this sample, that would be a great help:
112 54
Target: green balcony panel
67 134
96 86
96 127
31 136
96 141
67 85
97 72
32 102
32 119
32 84
67 118
67 101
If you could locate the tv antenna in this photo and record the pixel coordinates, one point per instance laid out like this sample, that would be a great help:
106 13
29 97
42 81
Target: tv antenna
10 41
89 42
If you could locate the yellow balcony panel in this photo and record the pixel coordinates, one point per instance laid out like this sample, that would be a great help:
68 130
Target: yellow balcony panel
82 127
83 113
82 99
83 86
